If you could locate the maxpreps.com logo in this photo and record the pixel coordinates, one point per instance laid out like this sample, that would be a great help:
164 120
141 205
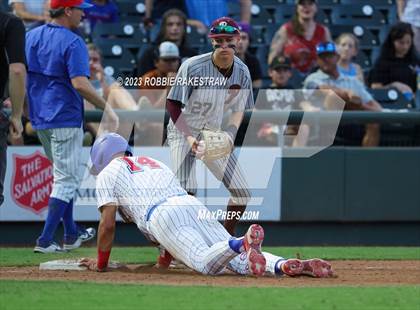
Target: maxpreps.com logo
32 181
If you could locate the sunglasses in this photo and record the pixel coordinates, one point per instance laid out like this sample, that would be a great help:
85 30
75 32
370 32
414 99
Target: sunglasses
224 29
325 48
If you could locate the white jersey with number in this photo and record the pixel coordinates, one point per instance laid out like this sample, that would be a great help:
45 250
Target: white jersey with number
136 184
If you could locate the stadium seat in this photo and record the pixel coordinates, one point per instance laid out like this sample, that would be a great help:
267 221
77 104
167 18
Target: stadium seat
391 99
271 3
128 35
260 16
270 30
365 36
262 55
387 7
376 3
284 13
194 38
234 10
131 11
375 54
4 6
320 2
355 14
258 35
363 59
117 60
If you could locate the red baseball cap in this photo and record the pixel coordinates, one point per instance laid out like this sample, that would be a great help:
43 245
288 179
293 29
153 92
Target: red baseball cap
80 4
222 27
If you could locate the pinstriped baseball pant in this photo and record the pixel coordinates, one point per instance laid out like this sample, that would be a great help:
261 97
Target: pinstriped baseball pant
63 147
201 244
226 170
176 225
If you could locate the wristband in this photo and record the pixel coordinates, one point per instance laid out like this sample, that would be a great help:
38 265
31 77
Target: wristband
103 257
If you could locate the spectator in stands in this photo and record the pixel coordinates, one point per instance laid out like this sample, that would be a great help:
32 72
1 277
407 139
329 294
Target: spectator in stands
167 62
397 63
153 96
106 87
409 12
347 48
102 11
204 12
249 59
298 38
155 9
13 73
281 96
173 28
350 90
33 13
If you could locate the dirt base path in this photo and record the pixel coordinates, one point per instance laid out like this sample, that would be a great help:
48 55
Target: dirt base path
351 273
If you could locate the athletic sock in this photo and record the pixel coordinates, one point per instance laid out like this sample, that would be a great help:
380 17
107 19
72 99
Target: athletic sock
277 267
70 227
236 244
56 209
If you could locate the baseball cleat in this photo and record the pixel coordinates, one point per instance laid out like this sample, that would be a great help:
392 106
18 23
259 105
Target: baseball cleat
252 244
164 259
315 267
52 248
254 238
84 235
256 262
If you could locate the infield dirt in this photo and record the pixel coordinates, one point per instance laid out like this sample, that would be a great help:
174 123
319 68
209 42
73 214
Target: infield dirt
349 273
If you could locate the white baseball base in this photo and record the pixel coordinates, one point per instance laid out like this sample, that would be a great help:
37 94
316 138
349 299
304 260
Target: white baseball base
62 264
71 264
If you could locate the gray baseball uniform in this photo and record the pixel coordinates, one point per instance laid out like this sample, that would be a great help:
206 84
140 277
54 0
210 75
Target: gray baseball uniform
204 105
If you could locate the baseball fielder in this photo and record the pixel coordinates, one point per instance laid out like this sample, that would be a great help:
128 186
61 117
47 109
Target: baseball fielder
193 108
147 192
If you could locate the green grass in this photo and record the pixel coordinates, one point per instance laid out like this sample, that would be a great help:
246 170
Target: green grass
25 256
73 295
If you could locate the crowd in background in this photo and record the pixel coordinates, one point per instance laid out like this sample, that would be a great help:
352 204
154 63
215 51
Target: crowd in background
302 54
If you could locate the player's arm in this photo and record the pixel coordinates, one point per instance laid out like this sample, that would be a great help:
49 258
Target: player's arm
277 44
106 233
20 11
175 113
15 49
86 90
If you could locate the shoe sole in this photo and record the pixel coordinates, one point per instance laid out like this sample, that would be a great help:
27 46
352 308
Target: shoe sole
256 262
316 268
254 238
38 249
90 236
252 243
73 246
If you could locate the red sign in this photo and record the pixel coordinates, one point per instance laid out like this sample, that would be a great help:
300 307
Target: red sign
32 181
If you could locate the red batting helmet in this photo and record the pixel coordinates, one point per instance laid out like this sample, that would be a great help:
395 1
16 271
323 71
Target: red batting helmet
222 27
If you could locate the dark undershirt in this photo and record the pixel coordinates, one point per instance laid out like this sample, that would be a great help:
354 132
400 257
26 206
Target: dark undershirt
12 46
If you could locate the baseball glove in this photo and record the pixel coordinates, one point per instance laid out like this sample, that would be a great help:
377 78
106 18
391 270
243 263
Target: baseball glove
214 144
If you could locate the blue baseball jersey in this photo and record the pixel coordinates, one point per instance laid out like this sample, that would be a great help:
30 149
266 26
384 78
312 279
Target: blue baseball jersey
107 13
54 56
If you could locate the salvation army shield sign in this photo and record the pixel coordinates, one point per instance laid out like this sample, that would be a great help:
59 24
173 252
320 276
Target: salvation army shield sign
32 181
